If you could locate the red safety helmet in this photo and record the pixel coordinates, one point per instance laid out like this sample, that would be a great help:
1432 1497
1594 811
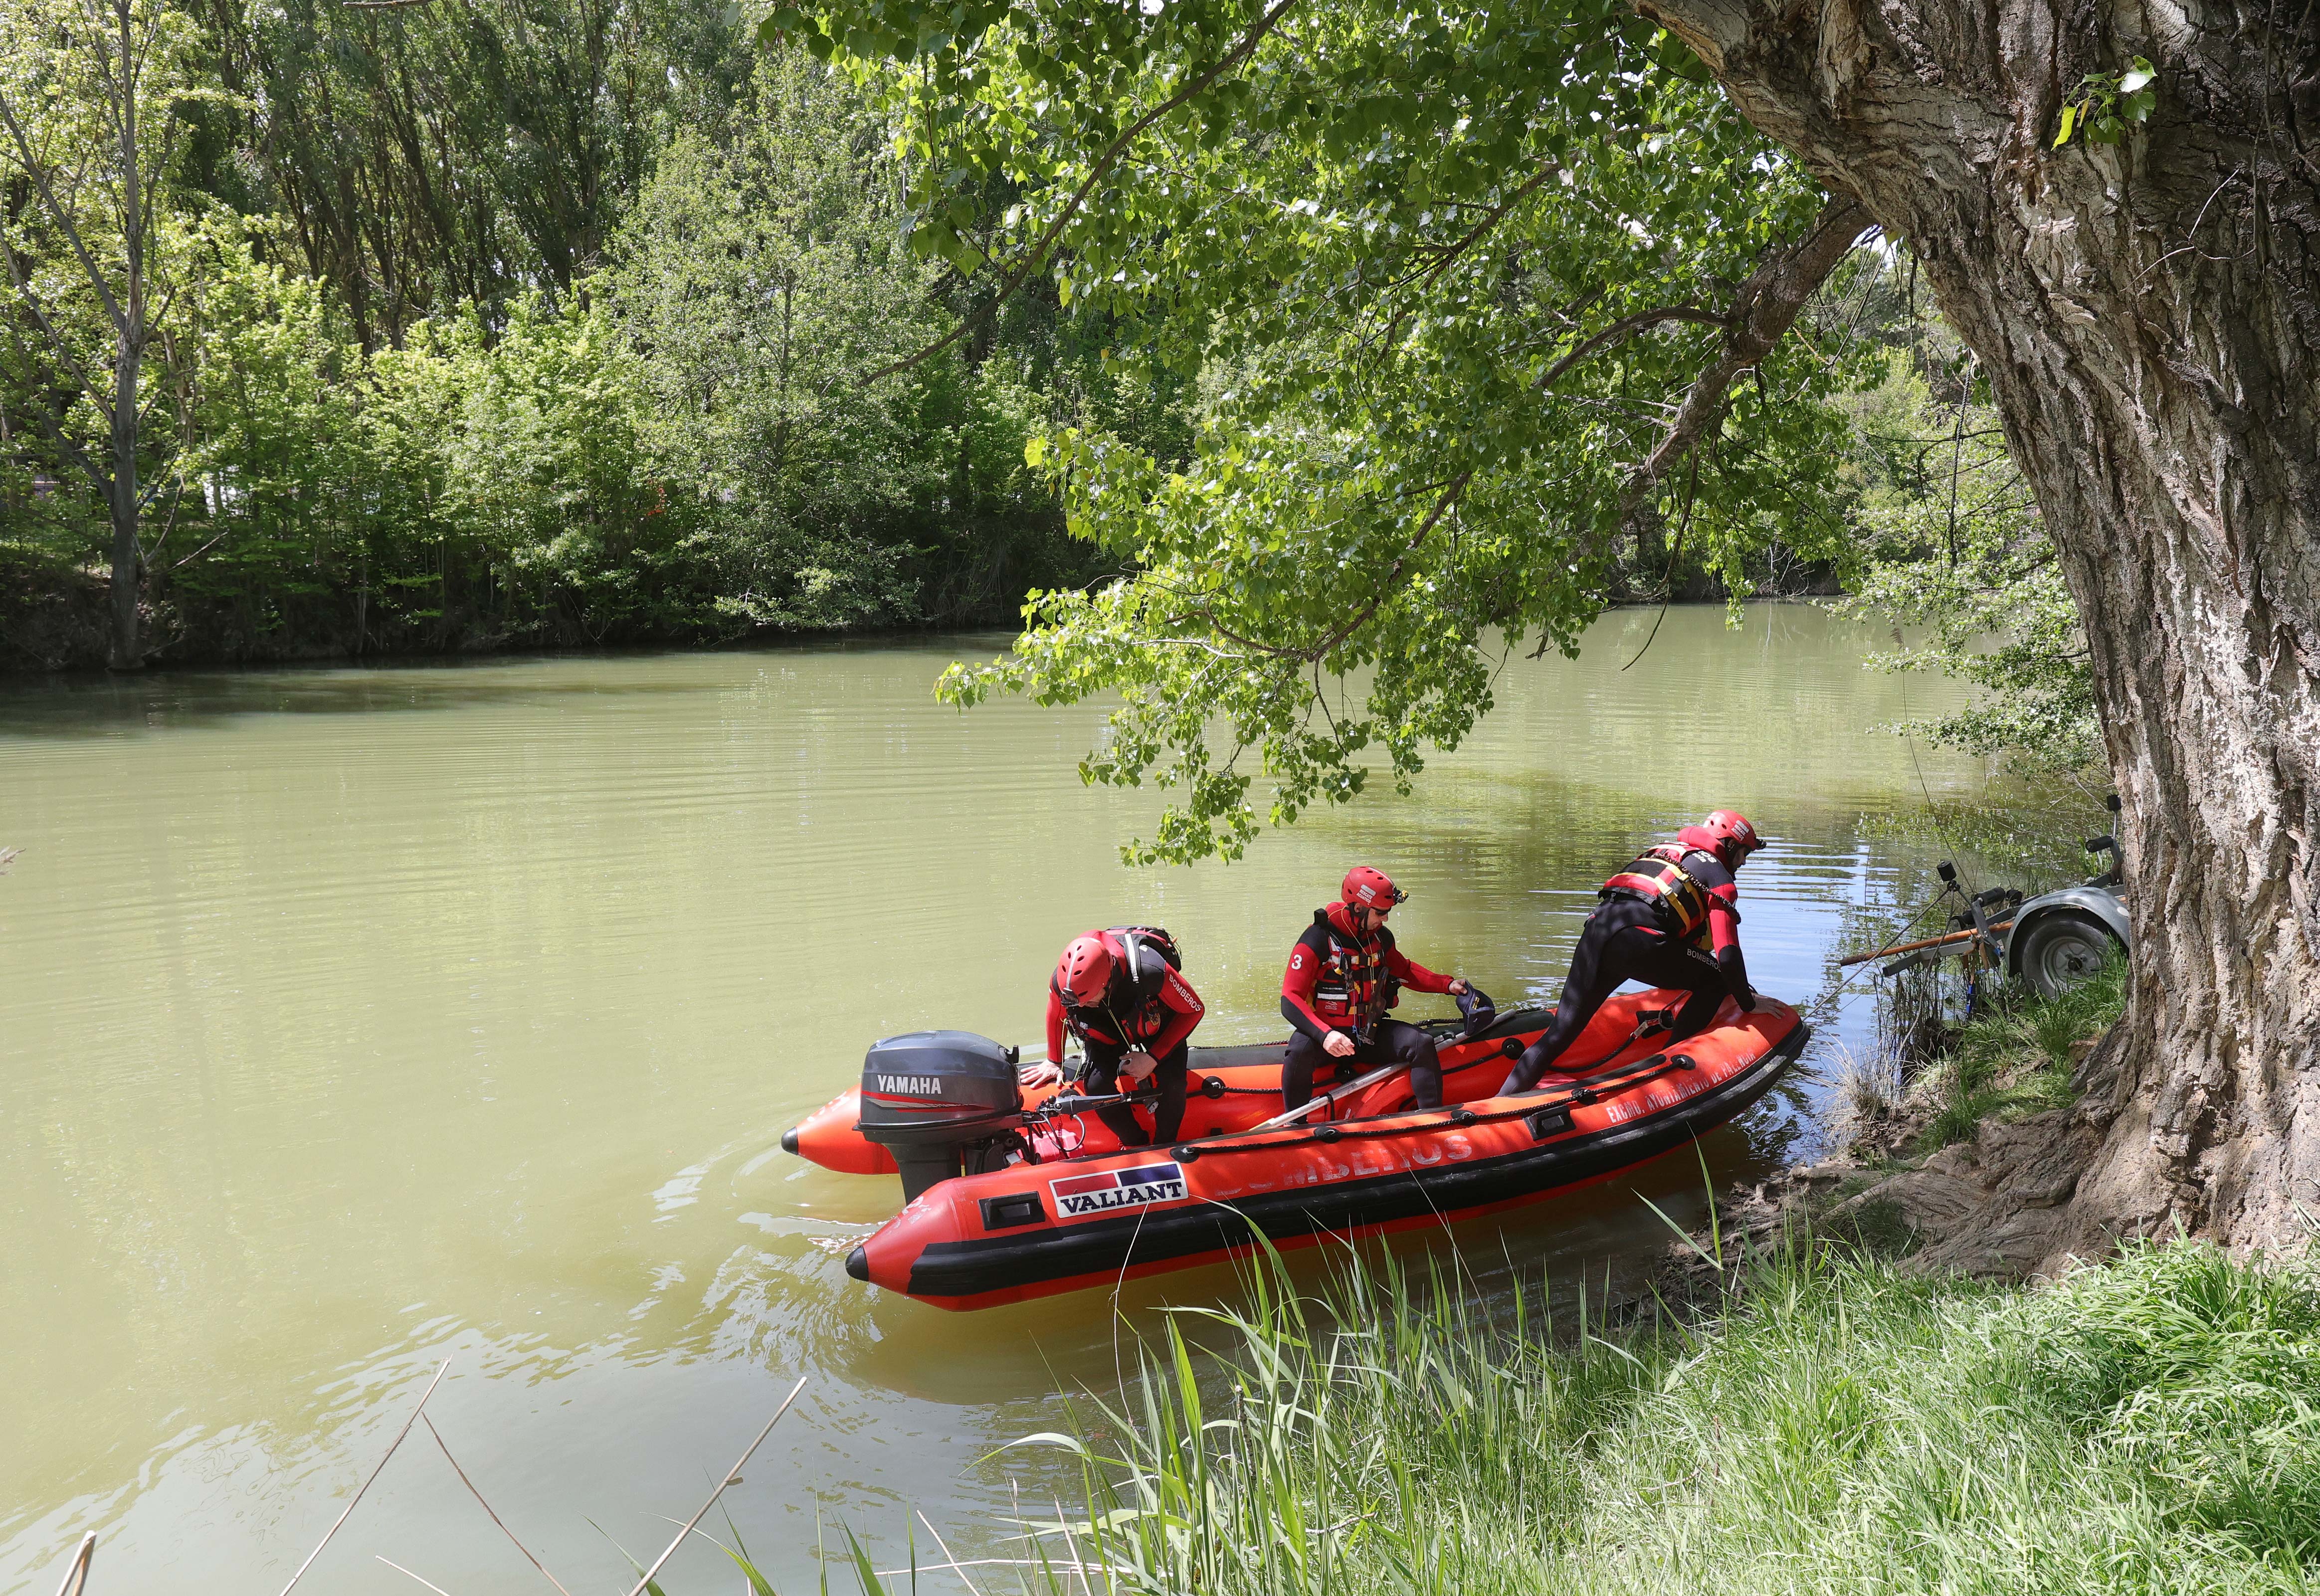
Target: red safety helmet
1725 833
1365 888
1084 971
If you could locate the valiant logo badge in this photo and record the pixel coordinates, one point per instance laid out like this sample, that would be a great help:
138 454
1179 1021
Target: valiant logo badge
1085 1196
912 1086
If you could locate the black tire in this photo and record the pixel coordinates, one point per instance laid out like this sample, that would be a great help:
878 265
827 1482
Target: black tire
2061 949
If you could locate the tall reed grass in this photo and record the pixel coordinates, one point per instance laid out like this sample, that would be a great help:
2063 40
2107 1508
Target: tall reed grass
2149 1425
2015 1058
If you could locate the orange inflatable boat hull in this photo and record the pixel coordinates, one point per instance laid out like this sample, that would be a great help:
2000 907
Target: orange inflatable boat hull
1090 1212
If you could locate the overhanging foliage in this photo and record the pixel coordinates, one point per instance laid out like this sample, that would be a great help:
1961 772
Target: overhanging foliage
1481 284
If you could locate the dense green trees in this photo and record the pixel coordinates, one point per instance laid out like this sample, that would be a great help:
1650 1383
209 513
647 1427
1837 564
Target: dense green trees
1948 542
422 157
544 321
87 97
535 323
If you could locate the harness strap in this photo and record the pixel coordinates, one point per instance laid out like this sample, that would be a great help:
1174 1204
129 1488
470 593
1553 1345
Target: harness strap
1666 885
1353 974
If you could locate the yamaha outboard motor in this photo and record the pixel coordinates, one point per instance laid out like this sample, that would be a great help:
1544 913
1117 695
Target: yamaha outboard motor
943 1102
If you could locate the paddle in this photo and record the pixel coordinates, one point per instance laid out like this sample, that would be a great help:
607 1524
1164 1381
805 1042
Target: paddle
1474 1007
1647 1022
1335 1094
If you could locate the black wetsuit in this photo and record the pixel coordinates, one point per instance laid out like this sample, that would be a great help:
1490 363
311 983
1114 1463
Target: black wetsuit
1158 1017
1101 1077
1392 1041
1626 939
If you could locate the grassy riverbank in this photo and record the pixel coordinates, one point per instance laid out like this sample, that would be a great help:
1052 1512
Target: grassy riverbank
1839 1425
2017 1058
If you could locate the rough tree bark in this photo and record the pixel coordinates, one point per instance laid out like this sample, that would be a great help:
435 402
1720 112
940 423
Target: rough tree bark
2149 313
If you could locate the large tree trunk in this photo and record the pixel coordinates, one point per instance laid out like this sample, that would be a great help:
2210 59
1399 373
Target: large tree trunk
2149 313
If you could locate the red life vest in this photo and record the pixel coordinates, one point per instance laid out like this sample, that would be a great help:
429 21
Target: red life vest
1353 984
1142 956
1659 878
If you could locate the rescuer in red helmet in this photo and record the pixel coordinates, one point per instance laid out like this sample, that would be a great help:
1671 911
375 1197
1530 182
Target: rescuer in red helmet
1669 919
1342 975
1119 993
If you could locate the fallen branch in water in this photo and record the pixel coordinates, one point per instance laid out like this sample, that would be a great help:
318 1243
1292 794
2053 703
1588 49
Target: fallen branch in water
76 1574
1931 941
399 1434
731 1475
422 1579
486 1506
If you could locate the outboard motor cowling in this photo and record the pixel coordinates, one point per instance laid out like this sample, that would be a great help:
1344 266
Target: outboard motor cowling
943 1102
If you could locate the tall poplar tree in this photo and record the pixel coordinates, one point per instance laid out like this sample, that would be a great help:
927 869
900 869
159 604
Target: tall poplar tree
87 103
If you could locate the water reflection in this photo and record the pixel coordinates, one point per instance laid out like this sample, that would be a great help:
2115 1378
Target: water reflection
357 1018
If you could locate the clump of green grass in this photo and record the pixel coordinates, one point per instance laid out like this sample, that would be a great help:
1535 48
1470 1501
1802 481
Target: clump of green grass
2016 1059
2150 1425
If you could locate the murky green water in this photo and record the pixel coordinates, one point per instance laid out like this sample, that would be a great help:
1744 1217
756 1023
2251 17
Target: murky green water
351 1020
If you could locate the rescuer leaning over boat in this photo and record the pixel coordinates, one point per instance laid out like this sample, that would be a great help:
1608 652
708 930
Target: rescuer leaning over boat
1118 991
1342 975
1669 919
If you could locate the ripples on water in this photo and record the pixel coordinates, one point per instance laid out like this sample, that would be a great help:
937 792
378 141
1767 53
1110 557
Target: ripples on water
355 1019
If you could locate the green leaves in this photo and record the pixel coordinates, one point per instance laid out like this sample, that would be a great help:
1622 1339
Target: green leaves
1377 234
1951 547
2108 103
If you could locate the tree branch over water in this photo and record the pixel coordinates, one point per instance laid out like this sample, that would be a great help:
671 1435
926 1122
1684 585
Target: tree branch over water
1103 163
1761 313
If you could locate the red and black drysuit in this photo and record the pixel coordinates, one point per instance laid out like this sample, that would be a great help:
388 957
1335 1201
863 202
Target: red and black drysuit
1155 1016
1669 919
1340 979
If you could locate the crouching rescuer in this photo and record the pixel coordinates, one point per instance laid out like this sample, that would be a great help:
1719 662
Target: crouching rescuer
1119 992
1344 974
1669 919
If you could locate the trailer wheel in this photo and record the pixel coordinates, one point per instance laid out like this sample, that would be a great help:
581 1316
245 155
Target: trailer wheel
2059 950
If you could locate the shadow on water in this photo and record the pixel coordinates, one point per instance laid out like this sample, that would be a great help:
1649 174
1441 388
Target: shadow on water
101 704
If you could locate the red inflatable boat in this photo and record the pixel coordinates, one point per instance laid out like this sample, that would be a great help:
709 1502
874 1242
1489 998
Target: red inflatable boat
1016 1193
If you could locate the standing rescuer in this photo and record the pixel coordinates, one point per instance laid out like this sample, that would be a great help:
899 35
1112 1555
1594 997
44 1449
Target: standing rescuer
1342 975
1669 919
1119 992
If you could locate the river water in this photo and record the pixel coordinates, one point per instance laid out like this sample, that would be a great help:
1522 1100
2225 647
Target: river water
355 1019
